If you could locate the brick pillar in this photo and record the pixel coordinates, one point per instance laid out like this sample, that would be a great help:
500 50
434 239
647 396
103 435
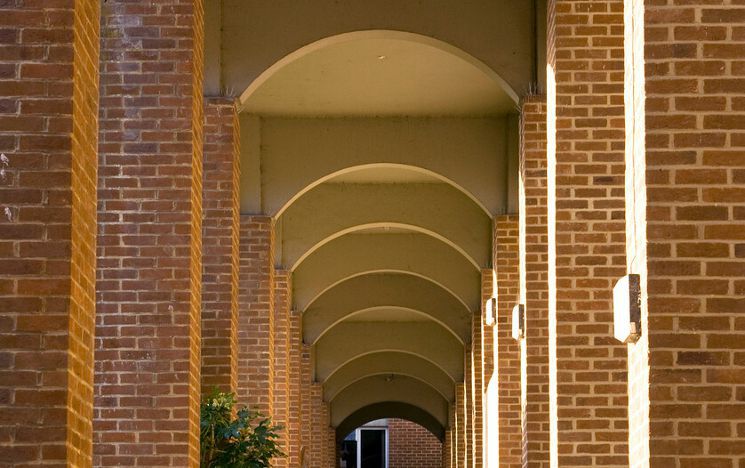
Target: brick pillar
149 252
256 314
686 231
282 335
469 409
447 445
533 241
48 137
489 387
507 350
295 398
306 404
220 229
477 355
586 221
460 424
319 427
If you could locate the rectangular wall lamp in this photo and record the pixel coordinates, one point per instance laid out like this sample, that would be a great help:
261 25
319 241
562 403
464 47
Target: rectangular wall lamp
627 316
490 310
518 322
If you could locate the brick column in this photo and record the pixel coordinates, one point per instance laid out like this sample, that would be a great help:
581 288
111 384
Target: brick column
149 253
469 409
477 354
489 386
295 397
48 138
507 350
319 427
686 231
586 223
533 242
220 229
447 445
460 424
256 314
282 335
306 404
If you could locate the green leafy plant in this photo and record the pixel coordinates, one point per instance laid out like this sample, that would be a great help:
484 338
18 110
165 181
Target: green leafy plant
246 440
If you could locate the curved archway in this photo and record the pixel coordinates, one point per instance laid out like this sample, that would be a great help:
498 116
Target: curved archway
357 254
350 340
375 34
385 363
390 409
276 208
384 388
331 210
386 291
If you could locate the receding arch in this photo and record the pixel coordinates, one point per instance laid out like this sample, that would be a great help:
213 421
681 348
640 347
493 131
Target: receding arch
350 340
332 210
385 363
375 34
382 226
277 210
356 254
384 388
390 409
386 291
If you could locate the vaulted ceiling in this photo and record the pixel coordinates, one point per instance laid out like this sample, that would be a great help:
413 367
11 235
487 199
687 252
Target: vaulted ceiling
382 157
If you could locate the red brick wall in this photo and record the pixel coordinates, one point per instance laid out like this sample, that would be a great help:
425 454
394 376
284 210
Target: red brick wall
534 283
256 314
220 231
48 132
508 350
460 422
586 219
410 445
306 403
469 409
688 185
489 403
477 354
294 377
149 252
282 408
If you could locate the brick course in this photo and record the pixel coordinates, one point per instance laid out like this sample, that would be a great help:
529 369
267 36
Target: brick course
220 230
411 445
149 253
48 132
534 283
282 336
256 314
507 350
586 221
686 223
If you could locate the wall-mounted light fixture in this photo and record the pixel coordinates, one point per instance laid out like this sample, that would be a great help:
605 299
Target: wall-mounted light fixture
490 311
627 315
518 322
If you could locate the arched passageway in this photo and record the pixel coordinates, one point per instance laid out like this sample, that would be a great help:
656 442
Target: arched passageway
379 160
332 209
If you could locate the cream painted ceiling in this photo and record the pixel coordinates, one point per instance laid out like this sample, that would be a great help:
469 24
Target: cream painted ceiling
379 77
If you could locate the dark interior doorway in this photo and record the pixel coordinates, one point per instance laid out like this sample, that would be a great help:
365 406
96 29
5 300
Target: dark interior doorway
373 448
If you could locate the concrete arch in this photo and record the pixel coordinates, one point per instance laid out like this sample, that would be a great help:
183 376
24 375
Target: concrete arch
272 207
356 254
384 388
331 210
390 409
267 74
386 291
351 340
386 363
